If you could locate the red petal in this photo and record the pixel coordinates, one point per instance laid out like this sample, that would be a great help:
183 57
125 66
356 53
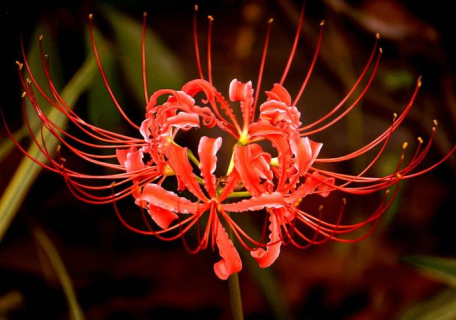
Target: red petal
248 173
305 151
183 100
325 189
161 217
261 161
134 161
263 128
182 120
131 159
209 119
242 92
159 197
276 112
278 139
148 127
122 155
268 200
198 85
279 93
231 262
265 258
207 150
178 160
312 182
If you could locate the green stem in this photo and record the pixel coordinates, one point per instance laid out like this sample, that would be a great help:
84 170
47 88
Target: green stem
192 157
235 297
200 181
239 194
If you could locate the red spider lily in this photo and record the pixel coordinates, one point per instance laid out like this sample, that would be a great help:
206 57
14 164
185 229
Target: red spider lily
256 180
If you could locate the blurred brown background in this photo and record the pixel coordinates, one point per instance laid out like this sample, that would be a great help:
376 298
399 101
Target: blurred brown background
121 275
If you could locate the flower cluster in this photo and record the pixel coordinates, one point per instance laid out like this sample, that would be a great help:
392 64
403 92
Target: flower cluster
272 167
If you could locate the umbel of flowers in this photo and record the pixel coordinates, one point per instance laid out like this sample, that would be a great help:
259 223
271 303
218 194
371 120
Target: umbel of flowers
271 182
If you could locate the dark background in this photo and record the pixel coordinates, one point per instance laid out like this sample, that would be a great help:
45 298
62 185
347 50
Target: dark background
121 275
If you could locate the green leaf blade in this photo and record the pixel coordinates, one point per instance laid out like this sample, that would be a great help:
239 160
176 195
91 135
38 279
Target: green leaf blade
27 171
440 269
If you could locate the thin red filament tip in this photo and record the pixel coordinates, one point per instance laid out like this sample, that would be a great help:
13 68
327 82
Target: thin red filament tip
209 58
295 44
195 40
260 74
312 65
103 75
143 55
352 90
354 104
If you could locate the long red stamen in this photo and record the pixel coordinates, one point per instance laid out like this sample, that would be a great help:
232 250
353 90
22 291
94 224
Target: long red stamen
295 44
312 65
195 40
239 233
271 187
379 153
102 73
59 103
381 137
209 50
354 104
342 102
143 58
260 73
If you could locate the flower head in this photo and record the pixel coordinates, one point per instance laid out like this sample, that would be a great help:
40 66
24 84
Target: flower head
270 181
